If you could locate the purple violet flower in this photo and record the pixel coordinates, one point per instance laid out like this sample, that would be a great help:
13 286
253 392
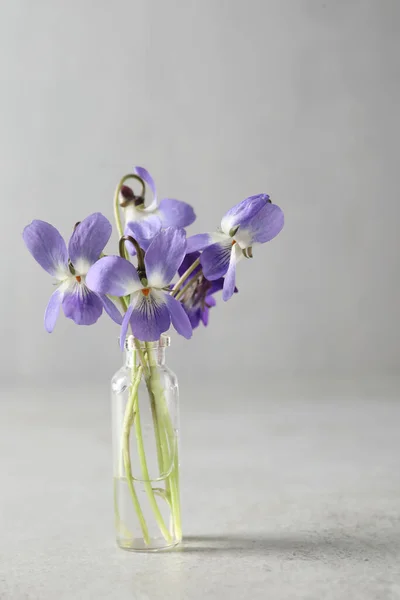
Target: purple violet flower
144 222
87 242
198 299
152 308
254 220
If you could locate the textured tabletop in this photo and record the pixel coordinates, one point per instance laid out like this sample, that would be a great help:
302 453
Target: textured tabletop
289 492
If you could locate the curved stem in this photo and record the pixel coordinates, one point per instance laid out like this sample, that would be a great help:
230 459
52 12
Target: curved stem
185 276
163 494
128 417
116 200
117 215
139 252
128 238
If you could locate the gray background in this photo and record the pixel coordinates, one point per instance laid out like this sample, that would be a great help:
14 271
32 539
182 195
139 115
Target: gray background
219 100
290 399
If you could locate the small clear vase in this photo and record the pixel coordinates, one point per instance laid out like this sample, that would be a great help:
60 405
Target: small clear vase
145 425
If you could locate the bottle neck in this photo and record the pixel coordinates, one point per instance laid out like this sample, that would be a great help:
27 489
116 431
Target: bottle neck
156 356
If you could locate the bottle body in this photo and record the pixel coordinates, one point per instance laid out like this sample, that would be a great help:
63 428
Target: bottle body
145 430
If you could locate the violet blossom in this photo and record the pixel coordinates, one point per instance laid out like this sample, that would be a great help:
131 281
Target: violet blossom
144 222
151 309
69 267
255 220
199 297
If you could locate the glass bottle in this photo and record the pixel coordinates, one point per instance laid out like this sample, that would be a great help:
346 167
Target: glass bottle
145 425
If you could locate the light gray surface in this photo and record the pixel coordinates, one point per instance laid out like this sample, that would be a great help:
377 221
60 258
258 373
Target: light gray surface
289 494
220 99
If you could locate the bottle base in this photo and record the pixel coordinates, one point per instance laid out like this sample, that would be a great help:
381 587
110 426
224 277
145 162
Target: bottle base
139 545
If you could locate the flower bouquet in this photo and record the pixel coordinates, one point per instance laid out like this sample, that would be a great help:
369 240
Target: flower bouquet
159 278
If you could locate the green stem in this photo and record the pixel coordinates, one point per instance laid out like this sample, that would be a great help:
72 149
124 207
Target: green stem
117 215
159 432
116 201
185 276
123 302
185 288
120 526
128 417
160 457
141 356
146 478
165 439
168 443
174 477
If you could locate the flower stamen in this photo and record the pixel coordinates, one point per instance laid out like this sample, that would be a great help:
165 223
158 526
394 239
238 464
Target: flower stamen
146 291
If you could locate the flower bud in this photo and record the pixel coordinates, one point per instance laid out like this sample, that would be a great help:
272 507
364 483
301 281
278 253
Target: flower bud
127 197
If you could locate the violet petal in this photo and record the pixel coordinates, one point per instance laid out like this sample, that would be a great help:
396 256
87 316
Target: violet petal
174 213
187 262
88 241
243 212
81 305
205 313
210 301
147 178
113 275
52 310
47 247
125 322
216 286
215 260
150 316
230 278
179 318
194 314
164 256
143 232
262 228
111 309
203 240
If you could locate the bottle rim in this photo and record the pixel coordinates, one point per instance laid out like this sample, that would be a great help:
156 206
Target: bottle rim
131 343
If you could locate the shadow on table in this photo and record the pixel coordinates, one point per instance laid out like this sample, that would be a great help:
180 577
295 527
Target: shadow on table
303 547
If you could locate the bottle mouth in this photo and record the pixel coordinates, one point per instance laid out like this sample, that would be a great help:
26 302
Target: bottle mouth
131 343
